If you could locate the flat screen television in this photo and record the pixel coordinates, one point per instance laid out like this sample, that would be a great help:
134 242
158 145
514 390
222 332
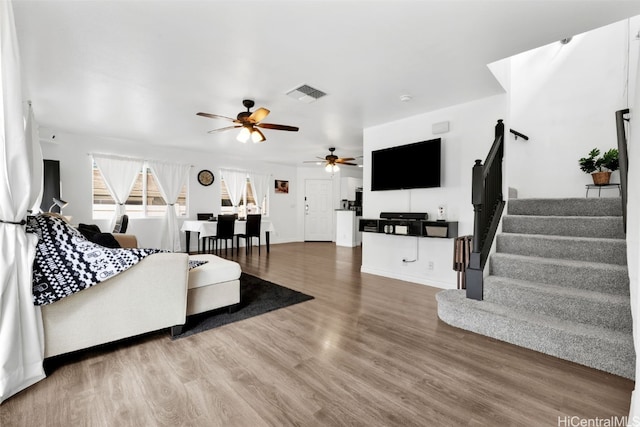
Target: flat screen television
408 166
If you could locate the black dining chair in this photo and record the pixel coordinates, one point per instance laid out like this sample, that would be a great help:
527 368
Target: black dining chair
204 217
225 231
121 224
252 231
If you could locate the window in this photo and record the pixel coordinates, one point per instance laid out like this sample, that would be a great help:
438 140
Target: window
247 204
144 201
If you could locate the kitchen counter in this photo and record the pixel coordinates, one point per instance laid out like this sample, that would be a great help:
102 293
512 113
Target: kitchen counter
347 233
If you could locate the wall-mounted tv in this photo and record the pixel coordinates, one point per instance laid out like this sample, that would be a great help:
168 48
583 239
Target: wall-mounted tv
408 166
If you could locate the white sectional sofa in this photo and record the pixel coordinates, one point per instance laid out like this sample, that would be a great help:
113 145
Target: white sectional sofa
157 293
213 285
149 296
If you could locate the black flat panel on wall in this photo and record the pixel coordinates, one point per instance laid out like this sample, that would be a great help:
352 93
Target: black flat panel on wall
51 185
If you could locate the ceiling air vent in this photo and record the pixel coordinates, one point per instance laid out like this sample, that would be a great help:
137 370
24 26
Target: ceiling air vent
306 94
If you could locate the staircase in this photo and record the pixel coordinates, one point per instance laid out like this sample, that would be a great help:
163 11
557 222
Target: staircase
558 284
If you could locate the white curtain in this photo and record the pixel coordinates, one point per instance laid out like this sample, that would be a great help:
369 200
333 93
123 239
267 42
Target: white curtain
21 333
633 236
235 181
34 151
119 175
260 186
170 178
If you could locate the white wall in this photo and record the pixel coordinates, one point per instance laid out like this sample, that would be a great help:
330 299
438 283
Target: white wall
470 137
348 187
286 210
564 97
75 169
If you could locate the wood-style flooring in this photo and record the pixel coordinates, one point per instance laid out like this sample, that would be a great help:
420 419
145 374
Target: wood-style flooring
367 351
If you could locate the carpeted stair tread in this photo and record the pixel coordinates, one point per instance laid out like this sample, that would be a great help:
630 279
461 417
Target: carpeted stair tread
589 307
576 226
597 347
593 276
612 251
604 206
558 283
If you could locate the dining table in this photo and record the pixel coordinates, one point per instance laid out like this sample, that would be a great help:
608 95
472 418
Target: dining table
210 228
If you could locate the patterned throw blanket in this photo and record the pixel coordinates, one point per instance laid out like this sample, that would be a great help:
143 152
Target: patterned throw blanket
66 262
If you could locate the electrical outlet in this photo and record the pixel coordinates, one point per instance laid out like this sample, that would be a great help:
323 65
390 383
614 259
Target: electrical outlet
430 265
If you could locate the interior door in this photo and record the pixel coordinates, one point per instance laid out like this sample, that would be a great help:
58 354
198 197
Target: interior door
318 214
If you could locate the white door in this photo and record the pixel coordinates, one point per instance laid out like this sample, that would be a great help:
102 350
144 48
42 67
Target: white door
318 214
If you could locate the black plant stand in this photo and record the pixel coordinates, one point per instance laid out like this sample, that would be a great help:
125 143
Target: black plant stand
600 187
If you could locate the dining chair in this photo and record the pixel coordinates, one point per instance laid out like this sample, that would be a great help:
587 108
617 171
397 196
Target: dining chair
225 230
121 224
203 241
252 231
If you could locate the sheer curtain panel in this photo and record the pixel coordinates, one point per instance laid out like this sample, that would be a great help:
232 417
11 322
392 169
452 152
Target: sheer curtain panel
260 185
34 151
119 175
21 332
235 182
170 179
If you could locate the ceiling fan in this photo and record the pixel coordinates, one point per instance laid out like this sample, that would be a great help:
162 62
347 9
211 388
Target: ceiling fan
331 161
249 122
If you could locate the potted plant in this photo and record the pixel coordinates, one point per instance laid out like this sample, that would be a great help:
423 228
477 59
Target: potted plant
600 167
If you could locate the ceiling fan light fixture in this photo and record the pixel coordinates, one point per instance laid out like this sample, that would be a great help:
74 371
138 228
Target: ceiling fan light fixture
257 136
244 135
249 122
331 168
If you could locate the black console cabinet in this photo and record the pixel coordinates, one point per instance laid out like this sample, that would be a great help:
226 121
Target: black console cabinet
402 227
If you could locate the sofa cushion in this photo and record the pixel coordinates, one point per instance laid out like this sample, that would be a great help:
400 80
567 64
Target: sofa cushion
216 270
126 240
92 233
105 239
88 230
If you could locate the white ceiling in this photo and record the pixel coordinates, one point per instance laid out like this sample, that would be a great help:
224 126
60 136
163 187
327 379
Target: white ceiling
141 70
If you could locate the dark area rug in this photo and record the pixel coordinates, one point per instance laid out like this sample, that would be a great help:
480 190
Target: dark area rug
257 296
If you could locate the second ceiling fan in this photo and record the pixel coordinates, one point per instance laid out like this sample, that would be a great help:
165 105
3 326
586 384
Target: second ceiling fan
332 161
249 122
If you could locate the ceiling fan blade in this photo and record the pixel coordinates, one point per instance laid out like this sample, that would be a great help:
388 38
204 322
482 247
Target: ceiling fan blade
347 163
344 159
277 127
313 161
258 115
215 116
225 128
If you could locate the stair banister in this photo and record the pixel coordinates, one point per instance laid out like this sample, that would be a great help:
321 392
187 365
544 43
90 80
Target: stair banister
623 160
488 203
518 134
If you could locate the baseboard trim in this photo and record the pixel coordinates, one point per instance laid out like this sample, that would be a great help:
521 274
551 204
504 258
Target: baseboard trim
408 278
